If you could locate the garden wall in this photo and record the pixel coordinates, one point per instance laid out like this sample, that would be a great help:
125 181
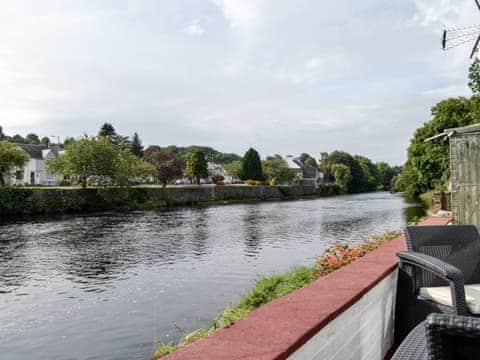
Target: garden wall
26 201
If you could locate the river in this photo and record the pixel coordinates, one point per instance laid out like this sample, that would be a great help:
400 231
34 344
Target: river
109 285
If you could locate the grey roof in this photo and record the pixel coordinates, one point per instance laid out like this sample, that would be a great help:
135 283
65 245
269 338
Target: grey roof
35 151
465 129
460 130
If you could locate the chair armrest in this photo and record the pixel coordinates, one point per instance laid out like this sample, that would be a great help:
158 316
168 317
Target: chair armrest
442 328
442 269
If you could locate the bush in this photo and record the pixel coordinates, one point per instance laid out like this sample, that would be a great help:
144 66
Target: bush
343 254
217 178
14 200
250 182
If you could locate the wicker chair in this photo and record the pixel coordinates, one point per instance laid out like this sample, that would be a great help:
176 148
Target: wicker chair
437 256
442 337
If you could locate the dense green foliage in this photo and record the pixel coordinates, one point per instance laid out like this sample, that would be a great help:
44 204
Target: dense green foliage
362 176
233 169
10 156
136 146
342 175
197 166
251 166
99 161
428 163
15 201
277 172
308 160
108 131
210 153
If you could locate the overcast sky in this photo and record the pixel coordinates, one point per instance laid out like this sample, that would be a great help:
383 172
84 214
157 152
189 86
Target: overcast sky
282 76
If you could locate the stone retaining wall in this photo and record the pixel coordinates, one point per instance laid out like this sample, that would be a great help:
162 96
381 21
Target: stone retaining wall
25 201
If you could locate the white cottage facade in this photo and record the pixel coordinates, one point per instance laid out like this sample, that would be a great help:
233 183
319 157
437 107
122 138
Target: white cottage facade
35 170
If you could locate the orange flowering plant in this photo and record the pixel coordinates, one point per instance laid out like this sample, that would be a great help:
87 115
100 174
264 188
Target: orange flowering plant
340 255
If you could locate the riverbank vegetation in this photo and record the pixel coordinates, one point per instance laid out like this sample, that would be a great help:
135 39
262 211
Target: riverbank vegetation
275 286
357 174
110 158
428 164
10 158
100 161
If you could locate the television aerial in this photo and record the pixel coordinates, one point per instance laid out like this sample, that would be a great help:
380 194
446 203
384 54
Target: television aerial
454 37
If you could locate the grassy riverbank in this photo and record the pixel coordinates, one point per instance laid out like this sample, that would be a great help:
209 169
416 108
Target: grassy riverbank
275 286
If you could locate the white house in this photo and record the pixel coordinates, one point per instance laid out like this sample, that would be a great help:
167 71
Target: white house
35 170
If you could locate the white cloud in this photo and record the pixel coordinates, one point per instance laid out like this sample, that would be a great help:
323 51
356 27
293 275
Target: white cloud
195 29
239 13
282 76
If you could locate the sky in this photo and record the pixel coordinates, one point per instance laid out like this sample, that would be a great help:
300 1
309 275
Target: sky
281 76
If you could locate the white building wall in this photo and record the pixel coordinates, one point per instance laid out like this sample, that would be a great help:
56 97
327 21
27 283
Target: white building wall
363 331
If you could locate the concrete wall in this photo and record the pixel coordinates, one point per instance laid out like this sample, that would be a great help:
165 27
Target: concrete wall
363 331
347 314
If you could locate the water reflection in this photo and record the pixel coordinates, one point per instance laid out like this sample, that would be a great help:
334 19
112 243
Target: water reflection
108 286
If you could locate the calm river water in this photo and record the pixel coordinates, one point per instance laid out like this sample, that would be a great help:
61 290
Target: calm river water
108 286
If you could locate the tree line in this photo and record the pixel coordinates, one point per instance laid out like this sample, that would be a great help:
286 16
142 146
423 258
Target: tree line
113 159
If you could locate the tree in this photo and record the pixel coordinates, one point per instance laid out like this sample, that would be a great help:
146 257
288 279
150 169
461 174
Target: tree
2 135
308 161
474 77
136 146
343 176
168 166
385 174
32 139
251 166
18 139
276 171
10 156
98 160
107 130
233 168
197 166
45 141
369 173
355 184
68 140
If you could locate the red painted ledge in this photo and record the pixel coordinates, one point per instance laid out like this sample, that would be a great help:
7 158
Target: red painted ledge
279 328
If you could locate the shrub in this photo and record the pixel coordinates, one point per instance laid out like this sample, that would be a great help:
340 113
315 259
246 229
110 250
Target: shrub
250 182
217 178
343 254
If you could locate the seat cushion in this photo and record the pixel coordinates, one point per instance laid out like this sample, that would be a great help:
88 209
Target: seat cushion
442 295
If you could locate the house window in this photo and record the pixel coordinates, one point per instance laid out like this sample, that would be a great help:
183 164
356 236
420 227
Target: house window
19 174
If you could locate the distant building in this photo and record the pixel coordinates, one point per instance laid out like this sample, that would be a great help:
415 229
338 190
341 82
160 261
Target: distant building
308 175
215 169
35 170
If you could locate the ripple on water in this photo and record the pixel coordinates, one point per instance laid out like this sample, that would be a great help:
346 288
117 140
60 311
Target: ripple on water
108 286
